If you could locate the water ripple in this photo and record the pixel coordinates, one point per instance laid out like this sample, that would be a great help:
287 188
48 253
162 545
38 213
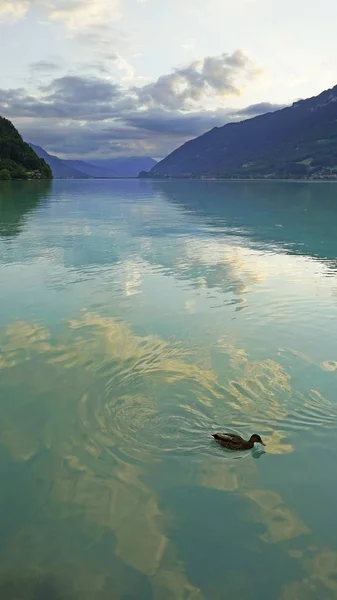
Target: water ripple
146 398
150 400
144 426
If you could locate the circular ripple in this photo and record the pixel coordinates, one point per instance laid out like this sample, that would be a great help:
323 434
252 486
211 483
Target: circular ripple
154 403
136 427
151 405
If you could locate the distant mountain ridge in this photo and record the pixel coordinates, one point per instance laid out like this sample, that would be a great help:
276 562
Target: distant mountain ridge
59 167
299 141
128 166
88 169
79 169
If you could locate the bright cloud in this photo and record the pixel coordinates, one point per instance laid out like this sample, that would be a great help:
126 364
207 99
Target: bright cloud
80 14
73 14
13 11
188 86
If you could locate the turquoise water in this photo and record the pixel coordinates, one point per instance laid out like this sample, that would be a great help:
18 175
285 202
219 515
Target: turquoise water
136 318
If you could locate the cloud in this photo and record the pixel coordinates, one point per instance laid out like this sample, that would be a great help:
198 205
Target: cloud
85 115
13 11
150 133
80 90
175 122
73 139
72 14
71 97
196 122
80 14
258 109
186 87
91 98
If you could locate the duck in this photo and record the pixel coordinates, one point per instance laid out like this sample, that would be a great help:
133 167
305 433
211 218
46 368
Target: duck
233 441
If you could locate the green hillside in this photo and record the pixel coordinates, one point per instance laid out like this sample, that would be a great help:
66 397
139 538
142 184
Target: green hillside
17 159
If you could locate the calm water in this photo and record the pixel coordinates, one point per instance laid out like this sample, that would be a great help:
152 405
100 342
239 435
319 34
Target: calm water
136 318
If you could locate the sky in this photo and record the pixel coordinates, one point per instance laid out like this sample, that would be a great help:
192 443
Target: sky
104 78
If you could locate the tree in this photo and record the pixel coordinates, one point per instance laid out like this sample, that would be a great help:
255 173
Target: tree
5 175
17 157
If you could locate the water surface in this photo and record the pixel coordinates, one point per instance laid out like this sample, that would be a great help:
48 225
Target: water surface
136 318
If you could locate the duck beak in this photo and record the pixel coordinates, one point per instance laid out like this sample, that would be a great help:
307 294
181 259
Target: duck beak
263 444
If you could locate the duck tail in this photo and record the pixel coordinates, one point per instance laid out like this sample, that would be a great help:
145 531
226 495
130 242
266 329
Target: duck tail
215 436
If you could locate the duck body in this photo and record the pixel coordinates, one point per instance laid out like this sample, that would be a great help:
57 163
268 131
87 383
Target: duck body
233 441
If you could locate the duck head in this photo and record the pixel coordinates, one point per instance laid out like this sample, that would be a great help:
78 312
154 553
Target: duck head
256 439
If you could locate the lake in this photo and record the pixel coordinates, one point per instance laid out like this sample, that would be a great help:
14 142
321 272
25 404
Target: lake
138 317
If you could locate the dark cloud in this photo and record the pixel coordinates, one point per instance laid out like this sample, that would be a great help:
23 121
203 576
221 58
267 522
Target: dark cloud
18 103
259 109
81 115
155 133
81 90
75 140
71 97
193 123
175 122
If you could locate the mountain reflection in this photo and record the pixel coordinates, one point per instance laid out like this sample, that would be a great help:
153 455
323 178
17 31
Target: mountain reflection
17 200
297 217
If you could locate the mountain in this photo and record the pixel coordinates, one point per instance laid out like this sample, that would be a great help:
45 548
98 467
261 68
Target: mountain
128 166
59 167
88 169
17 159
110 167
299 141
